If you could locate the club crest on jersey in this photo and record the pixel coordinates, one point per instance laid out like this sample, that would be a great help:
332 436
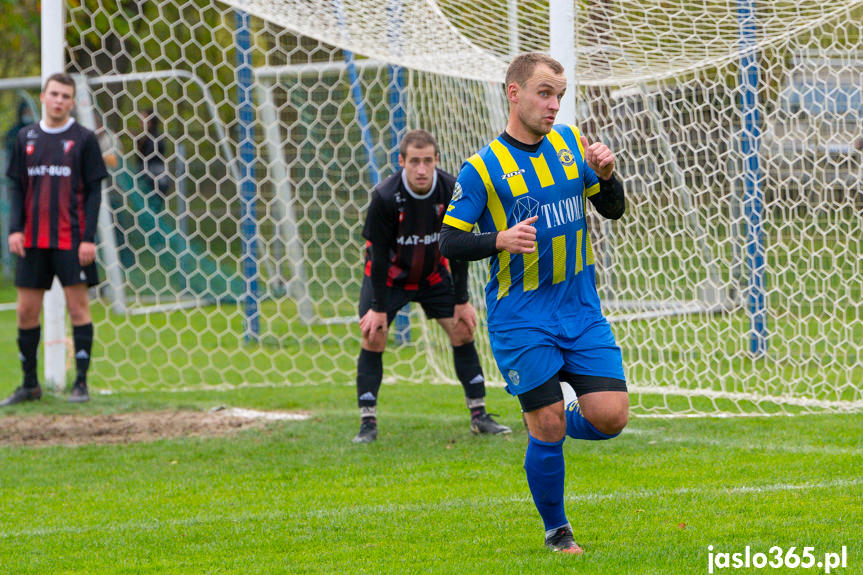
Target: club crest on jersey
67 145
30 148
513 376
438 208
512 174
565 156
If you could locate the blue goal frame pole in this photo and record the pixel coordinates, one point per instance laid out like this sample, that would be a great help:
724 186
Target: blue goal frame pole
248 218
357 96
752 196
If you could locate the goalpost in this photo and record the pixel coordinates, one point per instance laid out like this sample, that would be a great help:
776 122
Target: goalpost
733 281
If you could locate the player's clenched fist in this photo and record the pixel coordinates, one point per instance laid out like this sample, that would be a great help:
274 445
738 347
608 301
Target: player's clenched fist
519 239
599 157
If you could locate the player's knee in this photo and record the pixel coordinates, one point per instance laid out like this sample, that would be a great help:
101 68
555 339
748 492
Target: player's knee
612 422
460 336
378 343
79 314
547 424
28 313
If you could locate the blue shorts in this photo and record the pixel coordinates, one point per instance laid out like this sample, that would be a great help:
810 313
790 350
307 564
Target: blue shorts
528 357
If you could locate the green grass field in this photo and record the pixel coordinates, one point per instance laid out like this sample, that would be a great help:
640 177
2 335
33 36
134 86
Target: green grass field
298 497
428 497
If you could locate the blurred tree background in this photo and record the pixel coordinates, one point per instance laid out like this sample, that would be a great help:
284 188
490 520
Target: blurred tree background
19 36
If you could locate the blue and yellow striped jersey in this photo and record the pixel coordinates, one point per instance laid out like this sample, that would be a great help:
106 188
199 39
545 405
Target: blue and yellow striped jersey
502 185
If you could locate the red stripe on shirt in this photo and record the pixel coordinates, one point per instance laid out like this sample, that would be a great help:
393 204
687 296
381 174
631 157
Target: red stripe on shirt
392 274
28 220
43 239
64 219
416 270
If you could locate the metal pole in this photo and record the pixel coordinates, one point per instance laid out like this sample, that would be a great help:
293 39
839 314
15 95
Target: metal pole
561 27
512 12
752 199
357 95
248 224
402 323
286 219
182 203
54 334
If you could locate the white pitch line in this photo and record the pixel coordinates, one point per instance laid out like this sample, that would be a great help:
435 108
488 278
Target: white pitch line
268 415
663 437
237 518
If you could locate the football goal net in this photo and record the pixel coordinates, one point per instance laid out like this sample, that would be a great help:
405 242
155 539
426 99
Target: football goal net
734 281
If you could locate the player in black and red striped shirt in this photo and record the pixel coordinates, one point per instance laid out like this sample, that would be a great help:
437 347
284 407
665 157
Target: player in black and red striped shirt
404 264
56 171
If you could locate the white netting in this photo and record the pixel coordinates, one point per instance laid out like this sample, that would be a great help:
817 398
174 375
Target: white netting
333 83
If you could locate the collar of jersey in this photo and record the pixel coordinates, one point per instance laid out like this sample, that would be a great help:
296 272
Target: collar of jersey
413 193
529 148
63 128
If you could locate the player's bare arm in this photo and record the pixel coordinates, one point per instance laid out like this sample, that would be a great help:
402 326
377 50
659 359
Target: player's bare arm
519 239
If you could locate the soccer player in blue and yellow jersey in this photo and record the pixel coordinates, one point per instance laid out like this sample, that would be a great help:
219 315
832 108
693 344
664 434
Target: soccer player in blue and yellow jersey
526 192
56 172
404 264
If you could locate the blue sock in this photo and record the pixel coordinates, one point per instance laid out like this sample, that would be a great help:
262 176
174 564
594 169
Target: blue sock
544 466
579 428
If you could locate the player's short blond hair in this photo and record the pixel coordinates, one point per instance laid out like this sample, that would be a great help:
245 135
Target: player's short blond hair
417 139
522 67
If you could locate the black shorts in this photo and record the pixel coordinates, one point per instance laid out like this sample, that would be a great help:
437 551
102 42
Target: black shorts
437 301
550 392
39 266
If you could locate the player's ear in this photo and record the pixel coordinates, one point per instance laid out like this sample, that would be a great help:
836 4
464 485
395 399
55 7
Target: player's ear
401 161
512 90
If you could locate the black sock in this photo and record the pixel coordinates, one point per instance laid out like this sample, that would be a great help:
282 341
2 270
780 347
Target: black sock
477 411
370 372
469 372
28 345
83 338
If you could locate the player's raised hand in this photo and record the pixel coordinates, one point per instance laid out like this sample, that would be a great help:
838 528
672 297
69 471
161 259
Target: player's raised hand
599 157
520 238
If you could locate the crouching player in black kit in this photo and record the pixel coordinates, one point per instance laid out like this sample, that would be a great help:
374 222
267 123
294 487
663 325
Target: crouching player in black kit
56 171
404 264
